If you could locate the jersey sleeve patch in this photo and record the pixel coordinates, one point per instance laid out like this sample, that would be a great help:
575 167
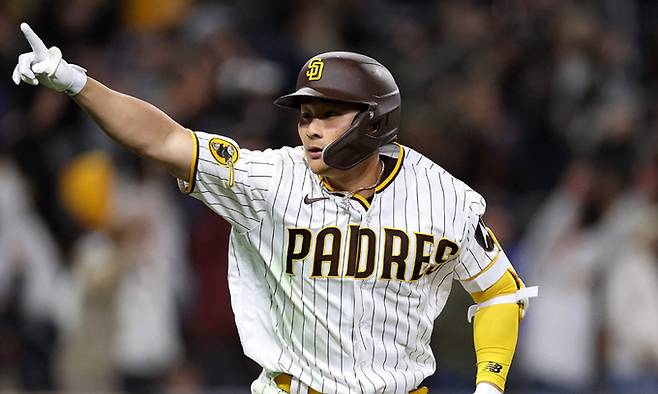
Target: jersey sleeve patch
483 261
224 151
483 237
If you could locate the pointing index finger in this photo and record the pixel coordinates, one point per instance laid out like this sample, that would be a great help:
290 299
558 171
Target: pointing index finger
39 48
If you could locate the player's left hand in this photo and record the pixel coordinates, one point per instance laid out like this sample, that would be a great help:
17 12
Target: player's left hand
47 67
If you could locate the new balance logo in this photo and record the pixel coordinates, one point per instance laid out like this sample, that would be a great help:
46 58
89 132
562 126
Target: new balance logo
493 367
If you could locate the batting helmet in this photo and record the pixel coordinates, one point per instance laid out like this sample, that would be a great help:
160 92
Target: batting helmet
351 78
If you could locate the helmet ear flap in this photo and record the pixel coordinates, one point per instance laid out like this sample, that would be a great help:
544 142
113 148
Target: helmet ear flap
354 146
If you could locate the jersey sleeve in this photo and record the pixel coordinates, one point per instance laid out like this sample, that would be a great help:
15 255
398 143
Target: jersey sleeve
481 261
231 181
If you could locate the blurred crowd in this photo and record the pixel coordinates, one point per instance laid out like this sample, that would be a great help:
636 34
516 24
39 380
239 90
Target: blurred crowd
110 280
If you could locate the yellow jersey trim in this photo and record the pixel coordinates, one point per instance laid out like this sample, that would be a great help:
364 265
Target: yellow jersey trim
393 173
326 184
362 200
193 165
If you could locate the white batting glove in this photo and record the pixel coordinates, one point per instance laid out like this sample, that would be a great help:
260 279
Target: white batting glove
47 67
486 388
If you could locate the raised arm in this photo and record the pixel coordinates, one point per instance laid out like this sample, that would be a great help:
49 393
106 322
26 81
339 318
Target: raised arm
131 122
139 126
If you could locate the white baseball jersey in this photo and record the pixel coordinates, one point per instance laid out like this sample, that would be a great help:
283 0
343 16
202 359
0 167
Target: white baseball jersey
341 293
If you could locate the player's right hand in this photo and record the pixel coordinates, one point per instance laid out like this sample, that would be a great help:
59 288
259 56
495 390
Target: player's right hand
46 66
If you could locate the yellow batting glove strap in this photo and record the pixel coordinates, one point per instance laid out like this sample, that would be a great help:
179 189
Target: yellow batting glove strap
495 332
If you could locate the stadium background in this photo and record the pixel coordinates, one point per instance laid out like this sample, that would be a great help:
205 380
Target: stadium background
110 280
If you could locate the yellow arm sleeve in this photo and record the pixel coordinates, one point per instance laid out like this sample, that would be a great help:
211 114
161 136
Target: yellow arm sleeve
495 331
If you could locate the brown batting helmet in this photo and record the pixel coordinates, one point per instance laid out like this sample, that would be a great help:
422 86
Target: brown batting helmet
351 78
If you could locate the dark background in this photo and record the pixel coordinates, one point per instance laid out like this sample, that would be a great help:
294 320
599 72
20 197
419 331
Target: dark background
526 101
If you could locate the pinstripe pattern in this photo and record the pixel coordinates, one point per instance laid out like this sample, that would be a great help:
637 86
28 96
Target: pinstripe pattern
339 334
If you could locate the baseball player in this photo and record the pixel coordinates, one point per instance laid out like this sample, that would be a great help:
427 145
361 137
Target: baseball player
343 250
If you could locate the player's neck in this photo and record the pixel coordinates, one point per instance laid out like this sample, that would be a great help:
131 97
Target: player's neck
361 178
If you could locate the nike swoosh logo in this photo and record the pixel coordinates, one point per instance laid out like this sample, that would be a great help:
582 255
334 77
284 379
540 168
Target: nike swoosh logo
308 200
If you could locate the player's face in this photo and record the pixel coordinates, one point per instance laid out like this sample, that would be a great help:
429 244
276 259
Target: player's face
320 124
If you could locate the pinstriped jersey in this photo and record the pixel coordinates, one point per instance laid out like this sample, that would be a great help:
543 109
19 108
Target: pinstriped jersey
338 291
